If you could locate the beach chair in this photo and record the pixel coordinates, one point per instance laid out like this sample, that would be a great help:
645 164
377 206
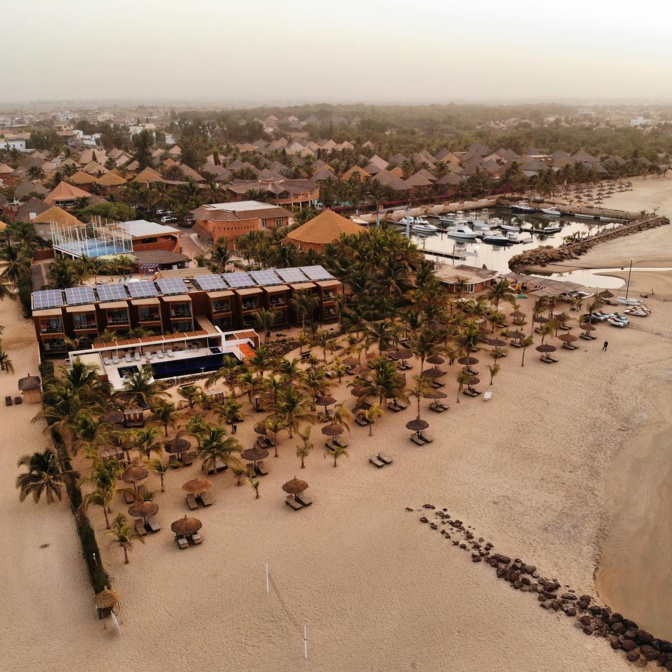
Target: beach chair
261 468
362 421
292 503
206 499
107 361
159 354
128 358
129 495
220 466
417 440
516 344
196 538
340 443
140 527
182 543
191 502
425 438
250 470
393 407
547 360
8 401
187 459
115 360
137 357
18 400
437 384
175 464
304 500
487 396
384 458
142 490
305 355
438 408
376 462
170 353
153 524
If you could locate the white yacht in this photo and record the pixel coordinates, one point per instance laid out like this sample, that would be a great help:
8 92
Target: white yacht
553 212
461 232
523 206
421 225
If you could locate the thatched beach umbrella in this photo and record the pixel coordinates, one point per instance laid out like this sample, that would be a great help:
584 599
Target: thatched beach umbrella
134 475
403 353
606 294
518 315
417 425
332 430
568 338
433 373
260 428
515 335
177 446
326 400
546 348
587 326
254 454
106 599
113 417
434 394
467 361
475 381
142 509
358 390
197 486
350 361
186 526
295 487
540 319
496 342
435 359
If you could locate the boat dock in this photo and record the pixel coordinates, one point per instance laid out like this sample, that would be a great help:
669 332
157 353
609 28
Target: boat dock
446 255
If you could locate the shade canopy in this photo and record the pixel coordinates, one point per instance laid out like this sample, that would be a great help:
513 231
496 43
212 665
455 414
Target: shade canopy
403 353
473 381
295 486
417 425
467 361
497 342
350 361
254 454
326 400
177 446
143 509
113 417
196 486
332 430
435 359
134 475
260 428
541 319
186 526
568 338
546 347
606 294
433 373
435 394
516 335
518 315
586 326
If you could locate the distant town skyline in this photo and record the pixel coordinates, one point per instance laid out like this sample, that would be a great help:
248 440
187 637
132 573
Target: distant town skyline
376 52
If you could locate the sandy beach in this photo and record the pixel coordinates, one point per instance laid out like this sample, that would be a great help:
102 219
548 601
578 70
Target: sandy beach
542 471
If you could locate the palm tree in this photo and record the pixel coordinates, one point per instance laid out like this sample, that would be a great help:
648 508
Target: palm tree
342 416
44 475
593 306
146 441
372 414
275 425
100 497
160 468
6 363
191 393
139 388
304 449
165 413
230 410
124 534
339 368
526 343
265 320
255 486
421 387
494 370
336 452
294 409
500 291
248 383
463 379
305 303
214 445
425 343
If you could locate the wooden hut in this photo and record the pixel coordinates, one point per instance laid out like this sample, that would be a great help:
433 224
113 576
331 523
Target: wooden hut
31 386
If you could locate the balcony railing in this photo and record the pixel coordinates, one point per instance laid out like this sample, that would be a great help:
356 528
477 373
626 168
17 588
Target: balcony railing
149 317
221 307
180 313
85 325
276 303
118 321
250 305
51 328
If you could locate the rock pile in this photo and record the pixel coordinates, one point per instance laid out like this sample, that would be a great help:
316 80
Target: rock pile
594 620
542 256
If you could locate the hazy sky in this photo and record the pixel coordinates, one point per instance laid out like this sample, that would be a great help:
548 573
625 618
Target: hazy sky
241 51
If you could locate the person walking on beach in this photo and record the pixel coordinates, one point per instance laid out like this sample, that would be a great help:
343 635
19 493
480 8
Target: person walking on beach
605 346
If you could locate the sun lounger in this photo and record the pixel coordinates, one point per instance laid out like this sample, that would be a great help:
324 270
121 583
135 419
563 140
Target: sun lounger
570 346
170 353
292 503
206 499
140 527
394 408
18 400
438 408
362 421
8 401
304 500
142 490
196 538
376 462
159 354
129 495
261 468
487 396
128 358
187 459
107 361
250 470
153 524
585 337
191 502
384 458
115 360
402 366
137 357
565 327
470 393
516 344
417 440
305 355
182 542
340 443
437 385
425 437
175 464
547 360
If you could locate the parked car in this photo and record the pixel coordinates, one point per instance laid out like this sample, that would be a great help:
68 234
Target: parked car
168 218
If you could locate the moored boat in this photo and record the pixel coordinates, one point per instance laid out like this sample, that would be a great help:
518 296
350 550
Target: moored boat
523 206
553 212
461 232
497 239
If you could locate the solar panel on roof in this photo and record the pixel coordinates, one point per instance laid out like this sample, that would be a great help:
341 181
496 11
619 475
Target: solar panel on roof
78 296
265 278
112 292
238 280
209 282
291 275
172 286
317 273
142 289
48 298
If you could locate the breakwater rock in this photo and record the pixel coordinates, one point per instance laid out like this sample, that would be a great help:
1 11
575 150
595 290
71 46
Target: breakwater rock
542 256
593 619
